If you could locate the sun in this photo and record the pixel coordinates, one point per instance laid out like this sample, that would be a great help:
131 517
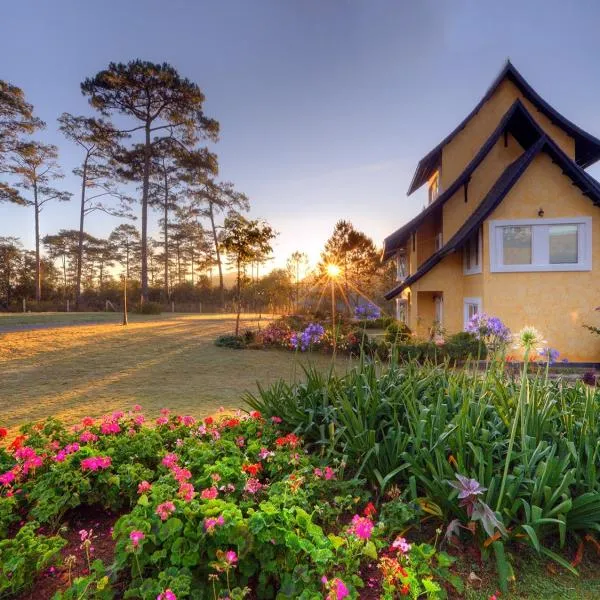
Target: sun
333 270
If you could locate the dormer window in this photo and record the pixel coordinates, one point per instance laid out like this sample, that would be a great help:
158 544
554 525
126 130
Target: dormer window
434 187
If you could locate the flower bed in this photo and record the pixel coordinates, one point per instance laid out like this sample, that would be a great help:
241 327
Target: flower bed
228 507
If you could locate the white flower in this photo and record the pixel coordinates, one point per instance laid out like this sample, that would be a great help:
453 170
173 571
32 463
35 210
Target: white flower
528 338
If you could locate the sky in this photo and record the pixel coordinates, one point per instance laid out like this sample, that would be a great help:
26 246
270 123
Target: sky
325 106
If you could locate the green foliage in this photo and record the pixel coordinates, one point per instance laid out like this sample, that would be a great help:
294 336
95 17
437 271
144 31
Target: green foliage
397 332
417 427
8 514
237 342
24 556
397 515
95 586
464 346
148 308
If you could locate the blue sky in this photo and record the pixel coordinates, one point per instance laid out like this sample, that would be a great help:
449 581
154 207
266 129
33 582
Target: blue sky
325 105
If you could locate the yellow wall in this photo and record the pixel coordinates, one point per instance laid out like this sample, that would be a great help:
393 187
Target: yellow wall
465 144
556 303
456 211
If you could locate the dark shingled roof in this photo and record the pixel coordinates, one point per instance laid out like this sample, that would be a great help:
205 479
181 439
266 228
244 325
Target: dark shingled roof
589 187
524 129
587 147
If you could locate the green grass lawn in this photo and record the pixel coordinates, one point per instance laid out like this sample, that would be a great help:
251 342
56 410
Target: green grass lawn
171 360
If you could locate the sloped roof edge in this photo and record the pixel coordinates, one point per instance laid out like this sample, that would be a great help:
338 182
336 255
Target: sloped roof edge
587 146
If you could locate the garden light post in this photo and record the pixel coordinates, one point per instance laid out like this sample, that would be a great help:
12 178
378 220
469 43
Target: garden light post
333 271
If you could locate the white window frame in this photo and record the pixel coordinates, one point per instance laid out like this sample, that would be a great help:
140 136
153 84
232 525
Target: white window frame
468 301
539 245
476 269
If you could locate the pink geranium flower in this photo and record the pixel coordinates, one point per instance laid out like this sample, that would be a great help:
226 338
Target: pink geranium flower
144 487
210 523
231 557
136 537
166 595
109 428
186 492
7 478
170 460
137 408
87 437
95 463
253 485
164 510
162 420
209 493
361 527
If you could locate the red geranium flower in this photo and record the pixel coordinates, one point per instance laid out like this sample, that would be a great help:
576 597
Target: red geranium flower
3 432
17 442
252 469
369 510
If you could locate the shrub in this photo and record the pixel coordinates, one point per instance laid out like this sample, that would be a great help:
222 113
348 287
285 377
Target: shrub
397 332
464 346
24 556
148 308
231 341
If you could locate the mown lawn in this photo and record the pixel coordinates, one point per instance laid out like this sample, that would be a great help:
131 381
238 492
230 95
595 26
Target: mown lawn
171 360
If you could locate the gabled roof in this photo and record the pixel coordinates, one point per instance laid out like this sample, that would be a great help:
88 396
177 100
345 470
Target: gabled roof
588 186
524 129
587 147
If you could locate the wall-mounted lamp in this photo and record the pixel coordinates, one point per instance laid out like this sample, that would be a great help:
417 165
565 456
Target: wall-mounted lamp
541 212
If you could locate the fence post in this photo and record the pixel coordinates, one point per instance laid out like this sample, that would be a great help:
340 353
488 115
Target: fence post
24 305
199 307
172 306
68 307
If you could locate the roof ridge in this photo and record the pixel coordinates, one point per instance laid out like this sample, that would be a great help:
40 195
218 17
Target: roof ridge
587 148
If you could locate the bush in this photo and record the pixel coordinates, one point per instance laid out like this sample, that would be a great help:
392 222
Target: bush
148 308
24 556
397 332
381 323
231 341
464 346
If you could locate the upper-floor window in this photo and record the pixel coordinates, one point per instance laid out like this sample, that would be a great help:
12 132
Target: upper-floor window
472 254
541 245
434 187
401 266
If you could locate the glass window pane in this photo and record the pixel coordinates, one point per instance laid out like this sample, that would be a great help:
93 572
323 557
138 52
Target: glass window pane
516 245
563 244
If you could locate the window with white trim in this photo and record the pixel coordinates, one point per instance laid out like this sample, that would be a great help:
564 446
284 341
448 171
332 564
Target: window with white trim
472 254
541 245
472 307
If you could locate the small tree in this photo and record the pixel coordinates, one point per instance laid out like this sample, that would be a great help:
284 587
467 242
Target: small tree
164 104
35 165
11 256
98 141
125 241
296 265
243 240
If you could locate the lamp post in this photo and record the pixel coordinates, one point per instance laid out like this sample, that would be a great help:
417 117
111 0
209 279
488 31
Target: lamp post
333 271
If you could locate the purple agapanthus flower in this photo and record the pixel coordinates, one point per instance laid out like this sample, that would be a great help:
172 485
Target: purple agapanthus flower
550 355
489 329
367 312
310 336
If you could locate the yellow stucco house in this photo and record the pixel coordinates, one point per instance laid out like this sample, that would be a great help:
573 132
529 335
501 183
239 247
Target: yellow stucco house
512 227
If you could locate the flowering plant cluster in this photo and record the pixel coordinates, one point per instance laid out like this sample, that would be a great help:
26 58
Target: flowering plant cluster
490 330
310 337
367 312
231 502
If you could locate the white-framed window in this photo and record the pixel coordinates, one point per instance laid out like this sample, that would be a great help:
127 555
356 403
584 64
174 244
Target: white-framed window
472 254
401 266
433 189
541 245
439 309
472 307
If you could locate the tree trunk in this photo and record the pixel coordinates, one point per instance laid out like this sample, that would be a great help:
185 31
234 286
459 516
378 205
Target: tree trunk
211 214
166 239
38 270
145 183
80 240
